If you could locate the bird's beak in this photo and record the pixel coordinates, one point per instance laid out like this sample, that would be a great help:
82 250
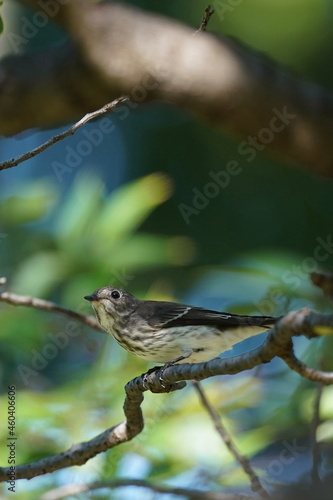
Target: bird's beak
91 298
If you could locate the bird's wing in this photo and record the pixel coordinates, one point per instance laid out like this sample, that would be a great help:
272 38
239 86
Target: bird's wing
170 315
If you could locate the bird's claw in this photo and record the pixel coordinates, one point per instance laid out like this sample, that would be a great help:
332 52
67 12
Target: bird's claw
159 369
146 375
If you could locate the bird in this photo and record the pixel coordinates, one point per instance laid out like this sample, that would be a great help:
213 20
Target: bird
169 332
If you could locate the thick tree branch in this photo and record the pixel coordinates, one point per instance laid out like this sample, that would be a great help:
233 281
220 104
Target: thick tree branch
122 50
80 453
47 88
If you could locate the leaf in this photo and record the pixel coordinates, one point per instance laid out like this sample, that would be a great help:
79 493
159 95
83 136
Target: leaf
39 197
80 209
31 276
147 251
130 205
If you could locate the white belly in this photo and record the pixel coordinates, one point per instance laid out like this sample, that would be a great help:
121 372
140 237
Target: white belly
203 342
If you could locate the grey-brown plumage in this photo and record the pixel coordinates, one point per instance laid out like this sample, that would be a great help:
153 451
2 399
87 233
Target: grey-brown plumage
165 332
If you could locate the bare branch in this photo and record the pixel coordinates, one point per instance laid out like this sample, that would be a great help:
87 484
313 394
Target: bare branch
75 489
205 20
316 451
305 371
80 453
66 133
45 305
244 462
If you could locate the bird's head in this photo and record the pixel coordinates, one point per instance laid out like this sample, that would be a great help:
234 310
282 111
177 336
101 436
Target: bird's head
111 305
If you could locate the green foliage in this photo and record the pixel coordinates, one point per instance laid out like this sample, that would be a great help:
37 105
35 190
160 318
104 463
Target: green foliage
93 233
38 198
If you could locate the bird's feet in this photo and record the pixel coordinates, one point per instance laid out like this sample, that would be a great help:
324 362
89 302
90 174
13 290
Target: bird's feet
159 369
162 370
146 375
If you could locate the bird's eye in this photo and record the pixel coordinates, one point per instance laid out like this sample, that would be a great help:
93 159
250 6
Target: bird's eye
115 294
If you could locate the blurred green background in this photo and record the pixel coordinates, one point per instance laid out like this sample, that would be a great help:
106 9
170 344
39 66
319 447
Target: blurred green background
115 218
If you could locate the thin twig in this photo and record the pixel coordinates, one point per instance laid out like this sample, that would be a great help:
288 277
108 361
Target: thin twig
45 305
244 462
205 20
316 452
75 489
66 133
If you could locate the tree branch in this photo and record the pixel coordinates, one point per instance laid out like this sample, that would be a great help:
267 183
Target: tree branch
45 305
80 453
302 369
154 58
244 462
205 20
66 133
316 448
